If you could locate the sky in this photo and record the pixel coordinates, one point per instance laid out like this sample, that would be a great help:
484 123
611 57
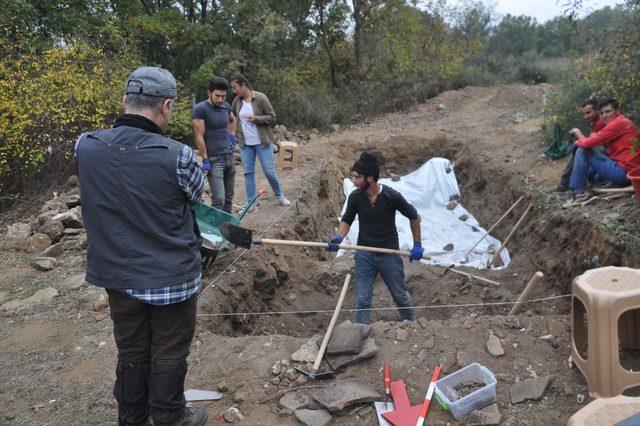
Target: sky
544 10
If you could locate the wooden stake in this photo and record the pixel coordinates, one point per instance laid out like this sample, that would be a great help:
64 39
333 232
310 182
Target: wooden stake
536 279
513 230
494 225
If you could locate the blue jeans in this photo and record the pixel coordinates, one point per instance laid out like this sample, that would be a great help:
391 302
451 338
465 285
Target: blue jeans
589 162
265 155
368 265
221 181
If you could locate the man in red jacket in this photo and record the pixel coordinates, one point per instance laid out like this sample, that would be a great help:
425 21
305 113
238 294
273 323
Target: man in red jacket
591 114
616 137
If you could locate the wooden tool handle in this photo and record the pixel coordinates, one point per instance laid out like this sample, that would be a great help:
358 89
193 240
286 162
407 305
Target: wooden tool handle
334 319
342 246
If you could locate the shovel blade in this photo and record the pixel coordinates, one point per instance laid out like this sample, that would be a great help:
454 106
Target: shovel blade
242 237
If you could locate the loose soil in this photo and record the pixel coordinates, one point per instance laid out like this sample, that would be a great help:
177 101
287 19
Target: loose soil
58 359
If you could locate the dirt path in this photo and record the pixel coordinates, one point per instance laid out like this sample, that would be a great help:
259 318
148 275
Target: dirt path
58 357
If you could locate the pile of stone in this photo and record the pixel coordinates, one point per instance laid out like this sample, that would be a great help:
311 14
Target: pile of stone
57 228
318 407
349 344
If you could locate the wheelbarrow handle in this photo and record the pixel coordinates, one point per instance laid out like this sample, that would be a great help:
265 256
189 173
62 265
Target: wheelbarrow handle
249 204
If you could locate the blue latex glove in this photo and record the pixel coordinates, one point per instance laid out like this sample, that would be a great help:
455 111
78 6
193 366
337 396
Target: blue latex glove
334 241
234 140
416 252
206 166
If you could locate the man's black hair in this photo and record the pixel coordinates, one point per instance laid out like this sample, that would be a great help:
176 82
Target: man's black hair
367 165
610 101
591 101
241 80
218 83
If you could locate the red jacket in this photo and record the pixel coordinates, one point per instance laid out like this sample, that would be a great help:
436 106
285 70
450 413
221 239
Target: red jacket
597 125
616 136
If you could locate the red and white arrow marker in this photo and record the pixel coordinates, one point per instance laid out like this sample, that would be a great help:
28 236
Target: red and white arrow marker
427 399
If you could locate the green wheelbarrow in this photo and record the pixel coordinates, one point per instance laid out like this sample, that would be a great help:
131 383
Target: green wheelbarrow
209 220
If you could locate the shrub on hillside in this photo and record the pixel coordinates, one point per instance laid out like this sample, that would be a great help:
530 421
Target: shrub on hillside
46 101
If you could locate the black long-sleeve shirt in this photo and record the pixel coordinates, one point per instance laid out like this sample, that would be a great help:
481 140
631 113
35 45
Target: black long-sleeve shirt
378 220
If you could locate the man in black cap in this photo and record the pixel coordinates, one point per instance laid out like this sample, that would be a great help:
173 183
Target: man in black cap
376 207
137 187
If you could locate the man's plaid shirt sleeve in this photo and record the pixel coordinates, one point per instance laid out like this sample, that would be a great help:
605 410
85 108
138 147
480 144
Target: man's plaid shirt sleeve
189 175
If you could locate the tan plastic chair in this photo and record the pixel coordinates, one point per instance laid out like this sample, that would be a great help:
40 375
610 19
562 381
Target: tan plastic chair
606 411
288 155
605 316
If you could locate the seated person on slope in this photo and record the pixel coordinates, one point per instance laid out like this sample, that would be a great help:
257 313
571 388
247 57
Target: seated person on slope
616 136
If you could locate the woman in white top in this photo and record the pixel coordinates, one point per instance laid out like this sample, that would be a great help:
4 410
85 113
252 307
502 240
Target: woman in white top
256 116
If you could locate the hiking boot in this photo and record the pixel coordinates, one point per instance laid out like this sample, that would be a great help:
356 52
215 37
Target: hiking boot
284 201
194 416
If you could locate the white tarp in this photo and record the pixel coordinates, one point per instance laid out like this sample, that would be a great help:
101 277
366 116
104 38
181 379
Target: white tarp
429 189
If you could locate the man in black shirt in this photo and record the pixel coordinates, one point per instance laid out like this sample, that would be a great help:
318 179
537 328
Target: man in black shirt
376 207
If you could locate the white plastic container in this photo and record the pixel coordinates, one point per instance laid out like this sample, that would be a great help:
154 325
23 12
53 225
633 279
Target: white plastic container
480 398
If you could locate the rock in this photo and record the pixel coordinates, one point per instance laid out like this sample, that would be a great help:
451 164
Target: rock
568 391
73 201
441 107
513 322
73 231
37 242
54 250
72 180
290 374
401 334
73 282
54 205
69 219
334 127
294 400
369 349
463 217
276 367
430 342
313 417
265 280
448 247
452 205
494 346
44 217
424 323
530 389
467 324
314 131
365 411
43 263
239 397
337 396
309 351
233 415
17 237
346 338
41 296
448 362
54 229
100 303
222 387
285 413
487 416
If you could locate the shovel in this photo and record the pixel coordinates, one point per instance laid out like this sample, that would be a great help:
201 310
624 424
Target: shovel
243 237
327 336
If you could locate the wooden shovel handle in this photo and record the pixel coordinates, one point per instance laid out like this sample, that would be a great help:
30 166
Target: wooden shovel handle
334 319
342 246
